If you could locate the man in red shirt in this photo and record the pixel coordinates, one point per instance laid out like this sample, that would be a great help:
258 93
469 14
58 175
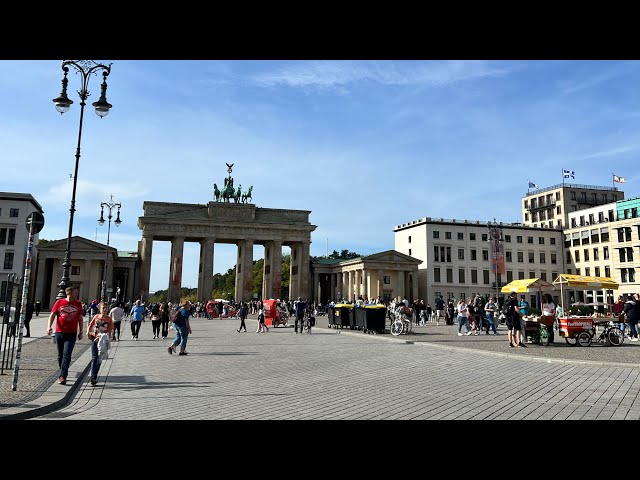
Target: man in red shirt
68 315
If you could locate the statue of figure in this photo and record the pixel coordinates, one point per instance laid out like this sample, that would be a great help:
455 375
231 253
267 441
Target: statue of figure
216 192
238 194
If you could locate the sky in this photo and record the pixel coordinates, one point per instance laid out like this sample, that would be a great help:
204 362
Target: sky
364 145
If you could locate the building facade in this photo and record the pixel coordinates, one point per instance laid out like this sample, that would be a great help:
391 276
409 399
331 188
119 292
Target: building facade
458 259
14 236
550 207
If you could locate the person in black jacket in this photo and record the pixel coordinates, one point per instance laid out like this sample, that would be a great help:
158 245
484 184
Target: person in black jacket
631 311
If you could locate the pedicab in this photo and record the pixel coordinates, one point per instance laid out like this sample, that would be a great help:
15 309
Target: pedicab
582 330
213 306
273 316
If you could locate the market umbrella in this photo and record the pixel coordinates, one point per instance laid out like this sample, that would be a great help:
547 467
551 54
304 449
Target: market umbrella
569 280
526 285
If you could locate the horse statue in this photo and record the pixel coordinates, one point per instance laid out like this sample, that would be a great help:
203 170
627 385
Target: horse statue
238 194
216 192
246 196
228 192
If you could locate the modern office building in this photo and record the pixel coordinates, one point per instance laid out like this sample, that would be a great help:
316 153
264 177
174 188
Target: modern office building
459 260
550 207
14 236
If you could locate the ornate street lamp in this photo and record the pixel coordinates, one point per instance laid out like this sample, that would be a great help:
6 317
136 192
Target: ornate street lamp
85 68
110 206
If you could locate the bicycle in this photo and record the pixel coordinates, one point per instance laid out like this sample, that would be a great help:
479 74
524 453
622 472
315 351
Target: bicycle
401 325
309 321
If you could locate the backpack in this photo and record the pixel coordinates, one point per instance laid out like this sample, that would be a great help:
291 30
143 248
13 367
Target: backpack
508 308
176 316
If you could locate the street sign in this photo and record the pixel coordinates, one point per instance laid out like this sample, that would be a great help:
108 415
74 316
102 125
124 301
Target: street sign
38 222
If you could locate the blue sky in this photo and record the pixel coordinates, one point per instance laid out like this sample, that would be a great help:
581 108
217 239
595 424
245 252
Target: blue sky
363 145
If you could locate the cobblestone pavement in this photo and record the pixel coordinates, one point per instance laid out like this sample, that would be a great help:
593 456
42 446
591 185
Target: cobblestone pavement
338 375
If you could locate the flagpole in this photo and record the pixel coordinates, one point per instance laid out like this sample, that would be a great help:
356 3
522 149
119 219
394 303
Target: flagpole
562 178
613 180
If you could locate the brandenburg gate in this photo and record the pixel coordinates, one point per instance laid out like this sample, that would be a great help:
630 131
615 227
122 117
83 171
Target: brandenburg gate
222 221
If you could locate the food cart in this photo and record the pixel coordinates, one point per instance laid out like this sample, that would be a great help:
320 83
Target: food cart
582 330
536 328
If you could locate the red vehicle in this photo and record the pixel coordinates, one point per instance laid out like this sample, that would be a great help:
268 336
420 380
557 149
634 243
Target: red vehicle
274 315
213 306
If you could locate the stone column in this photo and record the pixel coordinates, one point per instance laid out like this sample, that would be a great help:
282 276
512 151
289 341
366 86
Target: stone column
400 292
145 250
380 283
276 270
40 269
205 276
316 287
343 285
368 287
175 271
294 272
414 275
304 271
358 279
350 285
332 286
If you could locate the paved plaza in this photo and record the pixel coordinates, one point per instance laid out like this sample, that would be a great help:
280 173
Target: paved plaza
344 375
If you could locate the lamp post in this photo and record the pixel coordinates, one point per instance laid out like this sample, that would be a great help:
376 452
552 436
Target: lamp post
110 206
495 237
85 68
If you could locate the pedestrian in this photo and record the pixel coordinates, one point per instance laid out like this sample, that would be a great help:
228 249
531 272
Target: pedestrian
182 328
38 307
549 310
300 308
137 315
164 319
261 325
67 313
116 314
462 317
244 309
489 310
617 310
155 320
93 330
632 312
28 314
512 314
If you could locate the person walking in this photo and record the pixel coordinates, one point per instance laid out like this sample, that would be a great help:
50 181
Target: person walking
462 317
183 329
93 329
548 311
632 312
489 311
38 307
300 308
116 314
137 315
244 310
155 320
164 319
67 313
28 314
512 314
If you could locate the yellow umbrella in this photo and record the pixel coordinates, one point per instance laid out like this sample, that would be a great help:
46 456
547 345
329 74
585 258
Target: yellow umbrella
584 281
526 285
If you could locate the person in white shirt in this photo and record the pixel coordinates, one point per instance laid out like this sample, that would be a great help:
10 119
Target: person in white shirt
549 310
116 314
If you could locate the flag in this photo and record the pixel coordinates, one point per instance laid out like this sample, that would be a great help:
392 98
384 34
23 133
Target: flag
533 185
618 179
569 173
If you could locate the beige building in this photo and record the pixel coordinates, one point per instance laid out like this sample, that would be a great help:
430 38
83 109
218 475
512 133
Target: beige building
389 274
14 236
457 256
604 241
550 207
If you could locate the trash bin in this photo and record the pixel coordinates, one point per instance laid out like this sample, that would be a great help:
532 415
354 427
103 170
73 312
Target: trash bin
344 315
331 316
359 317
375 317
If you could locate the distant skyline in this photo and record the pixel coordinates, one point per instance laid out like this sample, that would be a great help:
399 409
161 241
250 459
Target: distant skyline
364 145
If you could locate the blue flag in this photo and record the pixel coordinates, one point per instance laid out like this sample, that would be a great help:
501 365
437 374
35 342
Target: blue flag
569 173
533 185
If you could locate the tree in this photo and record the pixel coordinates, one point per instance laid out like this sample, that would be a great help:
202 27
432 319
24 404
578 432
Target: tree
343 255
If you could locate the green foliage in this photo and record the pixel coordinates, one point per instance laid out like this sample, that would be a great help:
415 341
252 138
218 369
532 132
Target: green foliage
343 255
581 310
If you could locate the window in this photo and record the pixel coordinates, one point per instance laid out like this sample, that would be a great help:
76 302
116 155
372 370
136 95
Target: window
543 276
460 236
520 257
14 212
632 275
592 219
605 254
3 236
485 255
474 276
3 291
576 256
607 271
587 271
585 237
387 279
526 217
76 270
531 257
519 239
436 234
542 258
461 275
573 195
485 237
596 255
540 240
436 257
508 256
447 235
623 275
409 252
449 254
557 196
485 277
507 238
520 275
604 234
586 254
529 239
558 209
8 260
577 271
554 258
620 235
575 239
627 234
610 215
473 254
12 237
552 241
472 236
449 275
532 274
595 238
597 269
509 276
568 257
629 254
600 217
409 238
436 274
461 254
